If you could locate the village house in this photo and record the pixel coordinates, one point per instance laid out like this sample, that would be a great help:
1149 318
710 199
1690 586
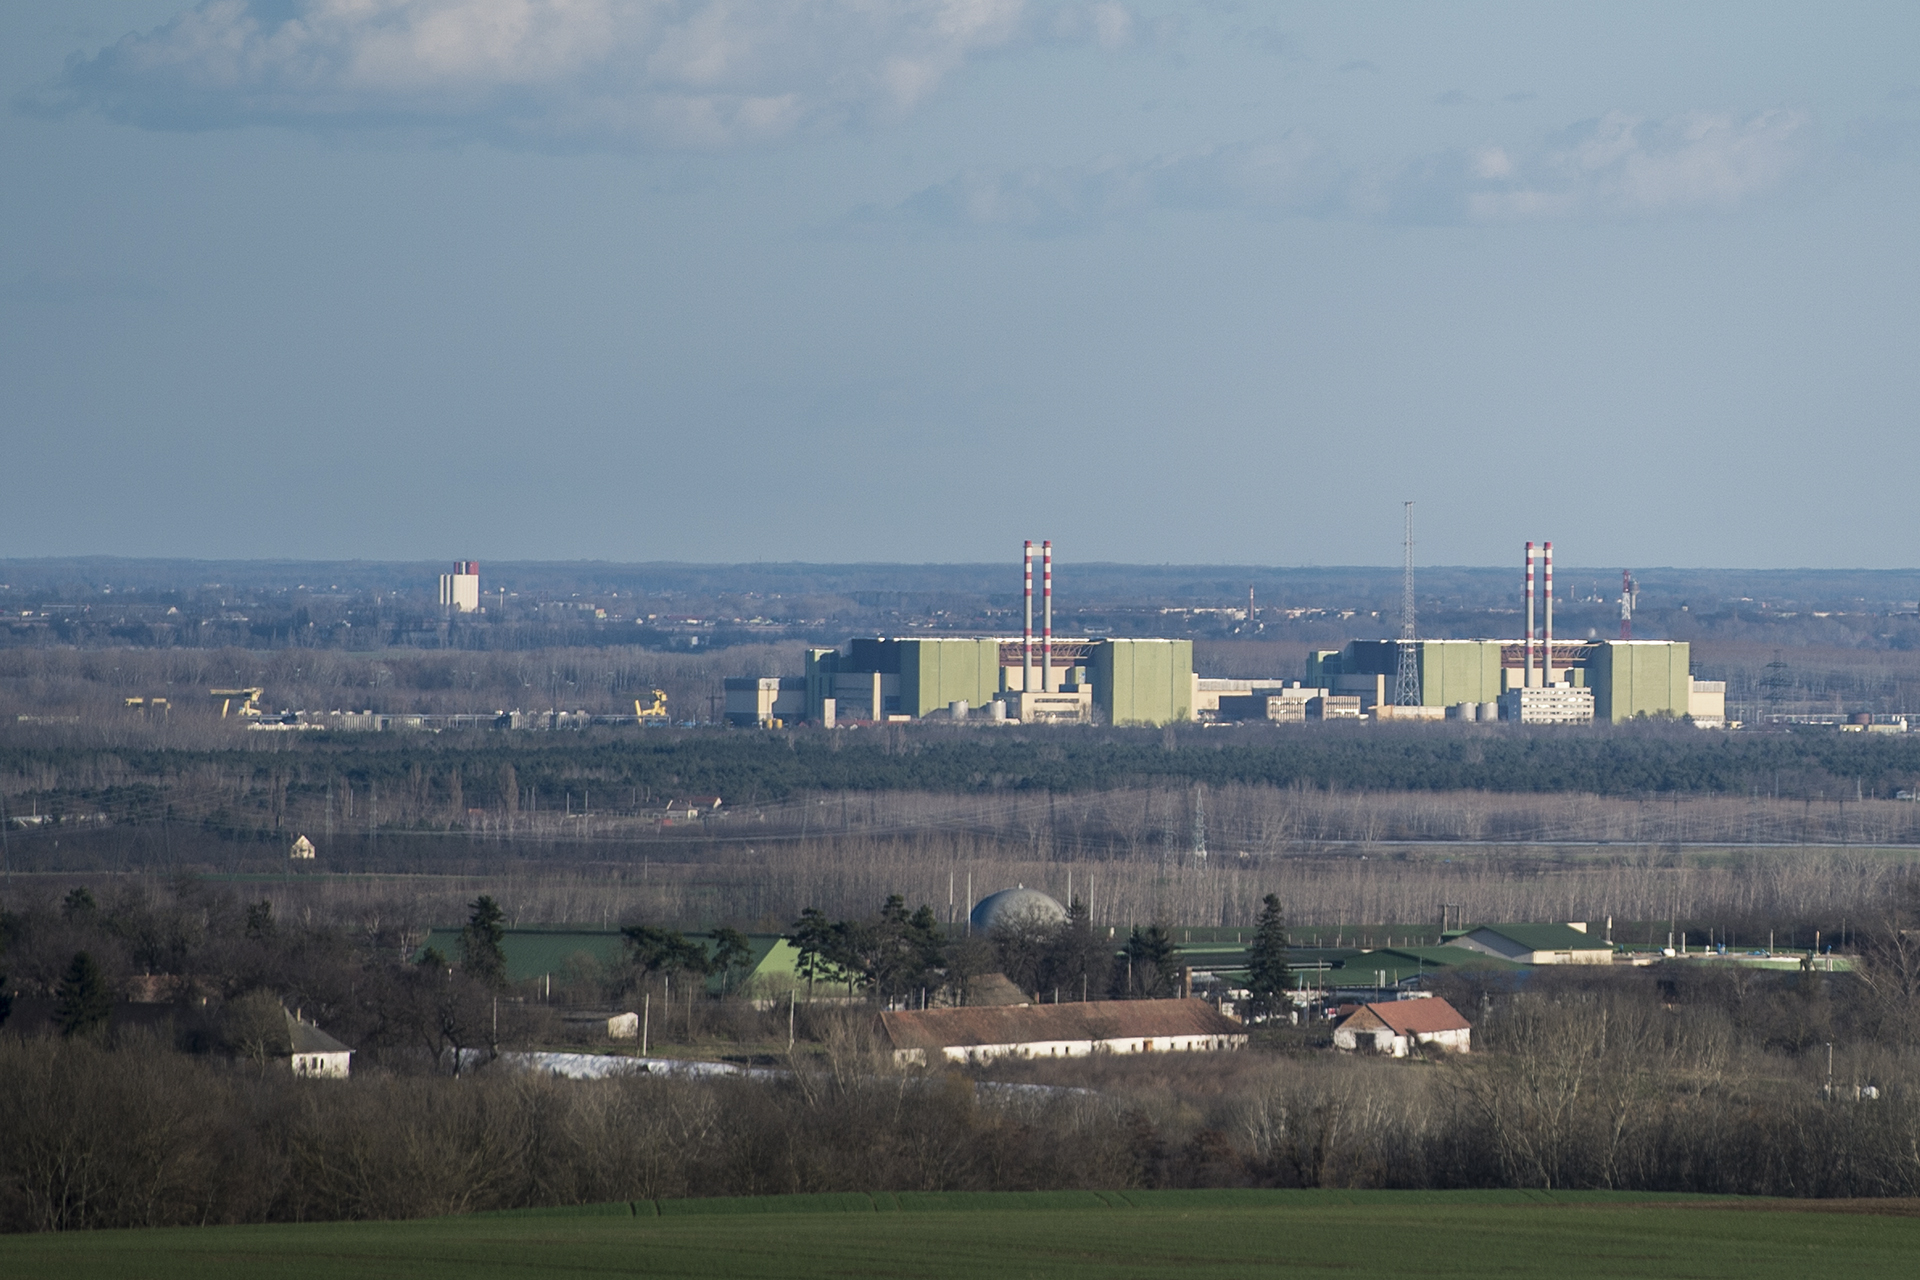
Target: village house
313 1052
1396 1028
1537 943
1059 1031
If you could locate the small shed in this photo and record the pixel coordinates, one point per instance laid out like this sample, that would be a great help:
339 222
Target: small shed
302 850
1396 1028
315 1053
1059 1030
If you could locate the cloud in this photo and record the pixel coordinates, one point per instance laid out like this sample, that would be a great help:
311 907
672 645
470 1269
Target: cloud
1290 175
623 73
1617 166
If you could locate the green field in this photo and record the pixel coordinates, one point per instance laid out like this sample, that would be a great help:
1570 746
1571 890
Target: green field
1193 1235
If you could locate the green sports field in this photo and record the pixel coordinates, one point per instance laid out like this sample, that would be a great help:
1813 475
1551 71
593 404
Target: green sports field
1191 1235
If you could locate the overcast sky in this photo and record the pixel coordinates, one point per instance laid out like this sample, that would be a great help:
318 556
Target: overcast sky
851 280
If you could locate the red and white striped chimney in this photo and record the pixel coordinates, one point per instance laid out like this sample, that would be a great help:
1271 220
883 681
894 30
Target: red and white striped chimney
1526 678
1546 649
1026 633
1047 680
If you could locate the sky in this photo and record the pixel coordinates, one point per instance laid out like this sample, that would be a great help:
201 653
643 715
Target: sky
913 280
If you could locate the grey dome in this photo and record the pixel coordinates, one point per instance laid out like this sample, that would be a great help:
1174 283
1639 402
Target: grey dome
1011 906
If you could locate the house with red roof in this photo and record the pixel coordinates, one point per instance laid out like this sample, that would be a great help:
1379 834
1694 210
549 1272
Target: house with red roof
1397 1028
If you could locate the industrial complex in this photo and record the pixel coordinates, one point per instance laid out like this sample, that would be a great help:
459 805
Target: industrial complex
1025 679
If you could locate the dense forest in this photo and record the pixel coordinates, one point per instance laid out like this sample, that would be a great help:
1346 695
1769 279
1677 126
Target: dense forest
470 774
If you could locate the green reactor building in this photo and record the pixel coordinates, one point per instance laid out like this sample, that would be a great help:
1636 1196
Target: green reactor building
1120 682
1628 678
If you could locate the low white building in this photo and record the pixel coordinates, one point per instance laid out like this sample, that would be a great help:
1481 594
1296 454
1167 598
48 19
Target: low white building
1537 943
1396 1028
315 1053
1059 1031
1556 704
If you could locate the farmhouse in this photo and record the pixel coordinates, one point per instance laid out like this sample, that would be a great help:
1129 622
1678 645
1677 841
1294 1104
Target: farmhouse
1536 943
313 1052
1396 1027
1059 1030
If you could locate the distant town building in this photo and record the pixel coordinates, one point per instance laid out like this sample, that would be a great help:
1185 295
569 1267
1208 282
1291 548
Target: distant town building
302 850
929 1036
460 590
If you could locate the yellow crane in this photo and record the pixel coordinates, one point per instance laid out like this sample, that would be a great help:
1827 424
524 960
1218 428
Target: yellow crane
654 712
249 700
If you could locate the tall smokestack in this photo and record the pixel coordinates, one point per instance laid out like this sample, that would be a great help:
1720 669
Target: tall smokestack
1047 680
1527 678
1026 634
1546 652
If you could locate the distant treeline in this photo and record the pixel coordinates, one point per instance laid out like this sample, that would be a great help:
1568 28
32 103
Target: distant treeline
460 777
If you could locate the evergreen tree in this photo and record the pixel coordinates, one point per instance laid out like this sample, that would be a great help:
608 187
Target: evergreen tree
731 953
84 1002
482 953
813 938
1079 961
1268 976
665 951
1154 963
260 920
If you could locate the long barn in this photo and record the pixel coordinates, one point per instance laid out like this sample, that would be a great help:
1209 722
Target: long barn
1059 1031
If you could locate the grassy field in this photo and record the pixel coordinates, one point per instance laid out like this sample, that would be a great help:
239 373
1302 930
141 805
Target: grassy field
1193 1235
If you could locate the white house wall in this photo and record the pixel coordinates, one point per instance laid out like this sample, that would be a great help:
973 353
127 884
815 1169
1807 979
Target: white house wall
1078 1048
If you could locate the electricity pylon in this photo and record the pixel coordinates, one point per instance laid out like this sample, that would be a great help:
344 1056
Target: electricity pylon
1406 685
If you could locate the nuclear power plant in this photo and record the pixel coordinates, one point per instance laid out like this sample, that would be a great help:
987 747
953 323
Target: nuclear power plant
1534 679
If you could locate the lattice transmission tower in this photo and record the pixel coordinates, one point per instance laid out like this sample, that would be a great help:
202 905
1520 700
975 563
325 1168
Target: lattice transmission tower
1406 685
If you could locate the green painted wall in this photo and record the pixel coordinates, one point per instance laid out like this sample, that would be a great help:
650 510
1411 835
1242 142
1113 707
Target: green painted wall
934 673
1450 670
1146 682
1459 671
533 952
1632 678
